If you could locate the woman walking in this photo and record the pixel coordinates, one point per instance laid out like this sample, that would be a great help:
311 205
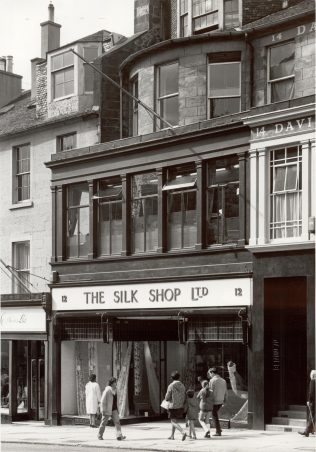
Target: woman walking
93 397
176 396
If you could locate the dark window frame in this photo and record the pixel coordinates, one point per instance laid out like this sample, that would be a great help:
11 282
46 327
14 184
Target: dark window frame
160 98
19 175
22 273
60 138
62 70
76 208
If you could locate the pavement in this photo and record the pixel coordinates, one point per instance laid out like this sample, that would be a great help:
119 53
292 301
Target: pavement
153 437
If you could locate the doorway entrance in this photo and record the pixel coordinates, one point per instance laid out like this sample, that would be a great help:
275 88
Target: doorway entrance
37 377
285 343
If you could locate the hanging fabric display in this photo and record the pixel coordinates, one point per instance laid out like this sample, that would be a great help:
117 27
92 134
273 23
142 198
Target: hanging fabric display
122 383
153 382
92 357
80 384
138 367
188 371
117 358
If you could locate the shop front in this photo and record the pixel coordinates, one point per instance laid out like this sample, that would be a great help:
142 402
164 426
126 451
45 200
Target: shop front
24 349
141 332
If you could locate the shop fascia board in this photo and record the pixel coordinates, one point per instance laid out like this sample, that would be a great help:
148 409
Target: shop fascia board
281 247
278 115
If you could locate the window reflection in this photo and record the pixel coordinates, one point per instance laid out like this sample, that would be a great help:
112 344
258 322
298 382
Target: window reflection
78 220
224 88
281 71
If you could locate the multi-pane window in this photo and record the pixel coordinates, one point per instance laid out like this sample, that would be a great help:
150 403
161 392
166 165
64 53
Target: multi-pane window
181 203
184 18
22 173
135 105
281 72
144 212
286 192
67 141
223 87
89 54
78 220
204 15
62 68
222 201
231 13
109 197
168 93
21 266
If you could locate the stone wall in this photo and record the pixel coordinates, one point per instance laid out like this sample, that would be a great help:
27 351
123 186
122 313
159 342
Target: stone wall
41 90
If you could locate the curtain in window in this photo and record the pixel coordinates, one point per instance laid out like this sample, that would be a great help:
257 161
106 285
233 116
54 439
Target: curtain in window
153 382
92 357
73 213
122 383
138 367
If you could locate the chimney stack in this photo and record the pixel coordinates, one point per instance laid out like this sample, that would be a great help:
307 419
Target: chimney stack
50 33
9 65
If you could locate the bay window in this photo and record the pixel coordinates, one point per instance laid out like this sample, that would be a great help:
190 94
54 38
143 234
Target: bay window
224 86
144 212
181 203
135 105
286 192
184 18
204 15
222 201
168 93
78 220
281 72
62 69
109 197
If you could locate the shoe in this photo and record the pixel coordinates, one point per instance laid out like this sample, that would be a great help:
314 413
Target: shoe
100 437
217 434
120 438
304 434
171 437
93 426
207 435
184 436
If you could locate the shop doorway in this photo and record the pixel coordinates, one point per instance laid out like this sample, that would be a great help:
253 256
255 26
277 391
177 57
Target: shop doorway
37 380
285 344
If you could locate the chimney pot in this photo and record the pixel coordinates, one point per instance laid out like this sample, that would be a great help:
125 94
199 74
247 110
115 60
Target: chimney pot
9 63
51 12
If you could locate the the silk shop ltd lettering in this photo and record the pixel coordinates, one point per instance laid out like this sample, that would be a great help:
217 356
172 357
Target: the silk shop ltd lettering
94 297
125 296
161 295
12 319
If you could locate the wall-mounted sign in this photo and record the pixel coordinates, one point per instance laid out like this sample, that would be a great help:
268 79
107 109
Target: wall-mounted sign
291 33
282 128
187 294
23 320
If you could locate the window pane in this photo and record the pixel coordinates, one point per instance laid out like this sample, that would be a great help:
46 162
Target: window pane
151 224
224 106
68 88
88 78
90 53
168 79
144 185
68 74
174 221
231 16
78 195
224 79
184 28
189 219
279 178
84 231
116 228
67 142
282 90
57 62
68 59
169 110
282 60
291 178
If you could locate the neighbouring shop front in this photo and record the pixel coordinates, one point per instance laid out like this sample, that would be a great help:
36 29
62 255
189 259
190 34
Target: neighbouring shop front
24 349
141 332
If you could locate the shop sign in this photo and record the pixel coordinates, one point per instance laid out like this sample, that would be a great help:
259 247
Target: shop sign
178 295
22 320
283 128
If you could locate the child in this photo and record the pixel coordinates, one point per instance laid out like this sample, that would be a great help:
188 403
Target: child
192 411
206 405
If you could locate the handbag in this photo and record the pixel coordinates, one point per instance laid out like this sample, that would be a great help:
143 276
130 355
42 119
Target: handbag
165 405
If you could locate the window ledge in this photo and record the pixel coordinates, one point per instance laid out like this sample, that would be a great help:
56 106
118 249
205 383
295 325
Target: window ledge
288 246
56 99
21 205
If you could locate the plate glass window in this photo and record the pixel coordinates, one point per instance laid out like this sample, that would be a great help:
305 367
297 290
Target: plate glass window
281 72
222 201
62 74
22 173
21 266
109 197
286 192
181 202
145 212
168 93
78 220
89 54
224 88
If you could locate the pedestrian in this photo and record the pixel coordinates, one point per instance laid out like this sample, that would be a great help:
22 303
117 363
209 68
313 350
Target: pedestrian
93 397
191 409
109 409
206 405
310 428
176 396
218 389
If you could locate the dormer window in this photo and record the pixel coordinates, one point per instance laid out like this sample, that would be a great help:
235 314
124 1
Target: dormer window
89 54
204 15
62 75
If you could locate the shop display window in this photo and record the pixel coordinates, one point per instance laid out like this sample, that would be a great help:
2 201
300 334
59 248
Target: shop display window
145 212
223 201
5 391
21 377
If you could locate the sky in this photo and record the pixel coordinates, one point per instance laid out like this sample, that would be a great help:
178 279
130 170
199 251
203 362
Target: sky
20 31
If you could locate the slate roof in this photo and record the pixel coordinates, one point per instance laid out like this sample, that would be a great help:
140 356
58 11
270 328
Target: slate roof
20 115
299 10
